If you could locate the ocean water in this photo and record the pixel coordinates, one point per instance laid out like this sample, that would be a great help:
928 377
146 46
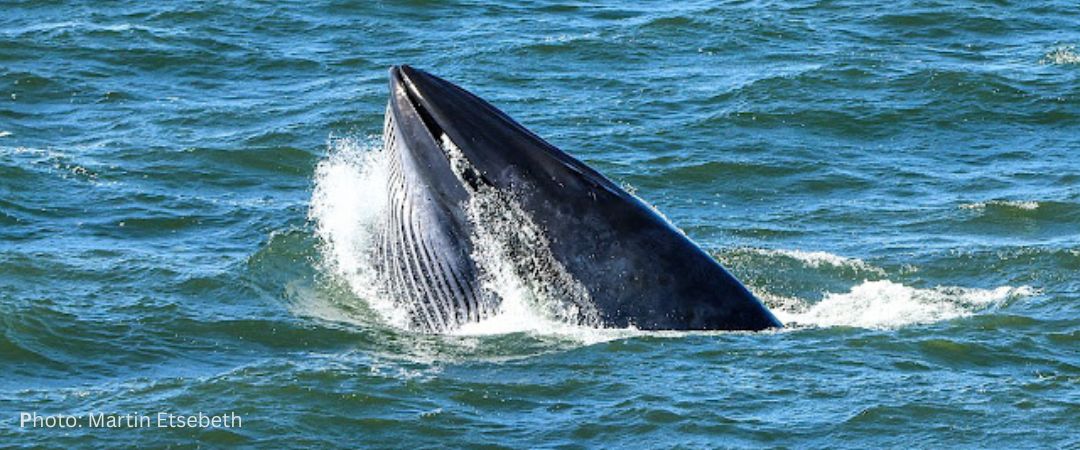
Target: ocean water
184 189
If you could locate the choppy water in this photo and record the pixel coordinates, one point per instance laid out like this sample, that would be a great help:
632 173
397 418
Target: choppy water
900 182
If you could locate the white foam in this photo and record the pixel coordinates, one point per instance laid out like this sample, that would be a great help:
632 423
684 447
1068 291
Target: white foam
348 199
563 38
817 259
1062 55
516 317
1026 205
884 304
5 133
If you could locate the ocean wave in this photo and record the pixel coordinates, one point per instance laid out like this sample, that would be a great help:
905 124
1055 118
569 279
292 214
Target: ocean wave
1046 218
712 171
815 259
1025 205
38 160
84 26
569 38
886 304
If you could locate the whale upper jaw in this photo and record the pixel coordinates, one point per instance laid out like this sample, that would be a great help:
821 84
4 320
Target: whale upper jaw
505 153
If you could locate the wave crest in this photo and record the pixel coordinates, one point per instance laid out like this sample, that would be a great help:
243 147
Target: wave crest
817 259
1025 205
884 304
1062 55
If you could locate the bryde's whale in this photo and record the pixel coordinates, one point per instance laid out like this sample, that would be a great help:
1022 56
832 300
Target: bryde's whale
468 185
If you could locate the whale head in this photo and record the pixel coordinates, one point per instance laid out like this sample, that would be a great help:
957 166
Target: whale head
625 265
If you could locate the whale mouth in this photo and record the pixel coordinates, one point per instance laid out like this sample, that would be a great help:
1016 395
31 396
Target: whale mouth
402 82
509 252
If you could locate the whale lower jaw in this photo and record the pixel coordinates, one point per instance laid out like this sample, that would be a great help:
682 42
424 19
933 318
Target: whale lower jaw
435 285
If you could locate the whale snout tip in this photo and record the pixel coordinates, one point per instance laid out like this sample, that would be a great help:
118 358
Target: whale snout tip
394 73
407 79
401 72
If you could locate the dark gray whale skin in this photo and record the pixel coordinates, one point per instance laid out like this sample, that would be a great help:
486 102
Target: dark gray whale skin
637 268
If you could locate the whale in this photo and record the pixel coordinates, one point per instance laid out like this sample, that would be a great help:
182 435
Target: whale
473 199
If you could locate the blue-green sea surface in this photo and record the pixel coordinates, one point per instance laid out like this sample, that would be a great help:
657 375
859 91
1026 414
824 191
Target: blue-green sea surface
185 189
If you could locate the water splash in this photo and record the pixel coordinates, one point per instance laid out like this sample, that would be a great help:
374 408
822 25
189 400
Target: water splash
1025 205
348 199
1062 55
884 304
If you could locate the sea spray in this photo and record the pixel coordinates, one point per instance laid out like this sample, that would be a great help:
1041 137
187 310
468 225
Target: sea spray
347 202
885 304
